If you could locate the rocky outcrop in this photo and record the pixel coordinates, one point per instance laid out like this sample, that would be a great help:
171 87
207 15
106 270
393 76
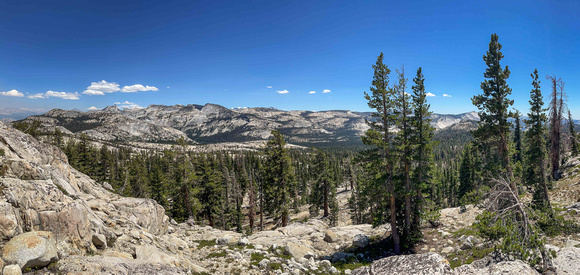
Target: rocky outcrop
433 263
568 261
487 266
416 264
41 192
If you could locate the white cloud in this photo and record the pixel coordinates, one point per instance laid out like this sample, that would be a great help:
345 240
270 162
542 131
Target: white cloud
63 95
312 92
101 88
93 108
168 87
269 87
138 88
446 95
127 105
430 94
283 92
36 96
326 91
12 93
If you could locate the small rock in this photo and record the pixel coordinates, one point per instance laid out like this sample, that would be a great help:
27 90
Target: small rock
432 250
100 241
360 240
347 271
264 263
12 269
552 247
330 236
225 240
310 255
244 242
332 270
325 264
340 256
447 250
572 243
237 255
467 245
296 250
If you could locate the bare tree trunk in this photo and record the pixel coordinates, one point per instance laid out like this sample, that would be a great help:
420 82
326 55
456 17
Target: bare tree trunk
395 233
326 211
261 209
252 204
556 109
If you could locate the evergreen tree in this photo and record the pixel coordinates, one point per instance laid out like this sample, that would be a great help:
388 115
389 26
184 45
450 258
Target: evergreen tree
573 136
535 174
383 100
517 137
422 135
493 104
278 178
323 187
466 176
404 145
156 182
210 195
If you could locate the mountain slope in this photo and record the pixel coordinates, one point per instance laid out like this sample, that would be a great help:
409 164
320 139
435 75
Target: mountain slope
213 123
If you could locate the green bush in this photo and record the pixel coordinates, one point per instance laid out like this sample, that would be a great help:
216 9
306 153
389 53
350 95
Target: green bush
204 243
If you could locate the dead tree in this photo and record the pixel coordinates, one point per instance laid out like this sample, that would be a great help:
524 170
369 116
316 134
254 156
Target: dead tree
507 209
557 108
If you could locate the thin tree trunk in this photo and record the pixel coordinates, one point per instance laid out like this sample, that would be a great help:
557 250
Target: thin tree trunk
252 202
261 209
395 233
325 198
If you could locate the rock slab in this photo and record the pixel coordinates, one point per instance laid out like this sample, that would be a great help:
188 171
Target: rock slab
415 264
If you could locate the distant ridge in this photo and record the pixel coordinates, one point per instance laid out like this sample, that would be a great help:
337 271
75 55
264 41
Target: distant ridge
212 123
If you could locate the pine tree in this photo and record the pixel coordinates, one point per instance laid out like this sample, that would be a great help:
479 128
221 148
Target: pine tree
278 178
404 146
535 174
211 190
518 137
156 181
323 187
573 136
379 136
466 176
493 104
422 138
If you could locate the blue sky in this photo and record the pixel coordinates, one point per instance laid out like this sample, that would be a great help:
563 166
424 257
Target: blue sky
79 54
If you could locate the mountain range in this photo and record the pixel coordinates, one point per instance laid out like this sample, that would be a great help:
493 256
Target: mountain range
211 123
